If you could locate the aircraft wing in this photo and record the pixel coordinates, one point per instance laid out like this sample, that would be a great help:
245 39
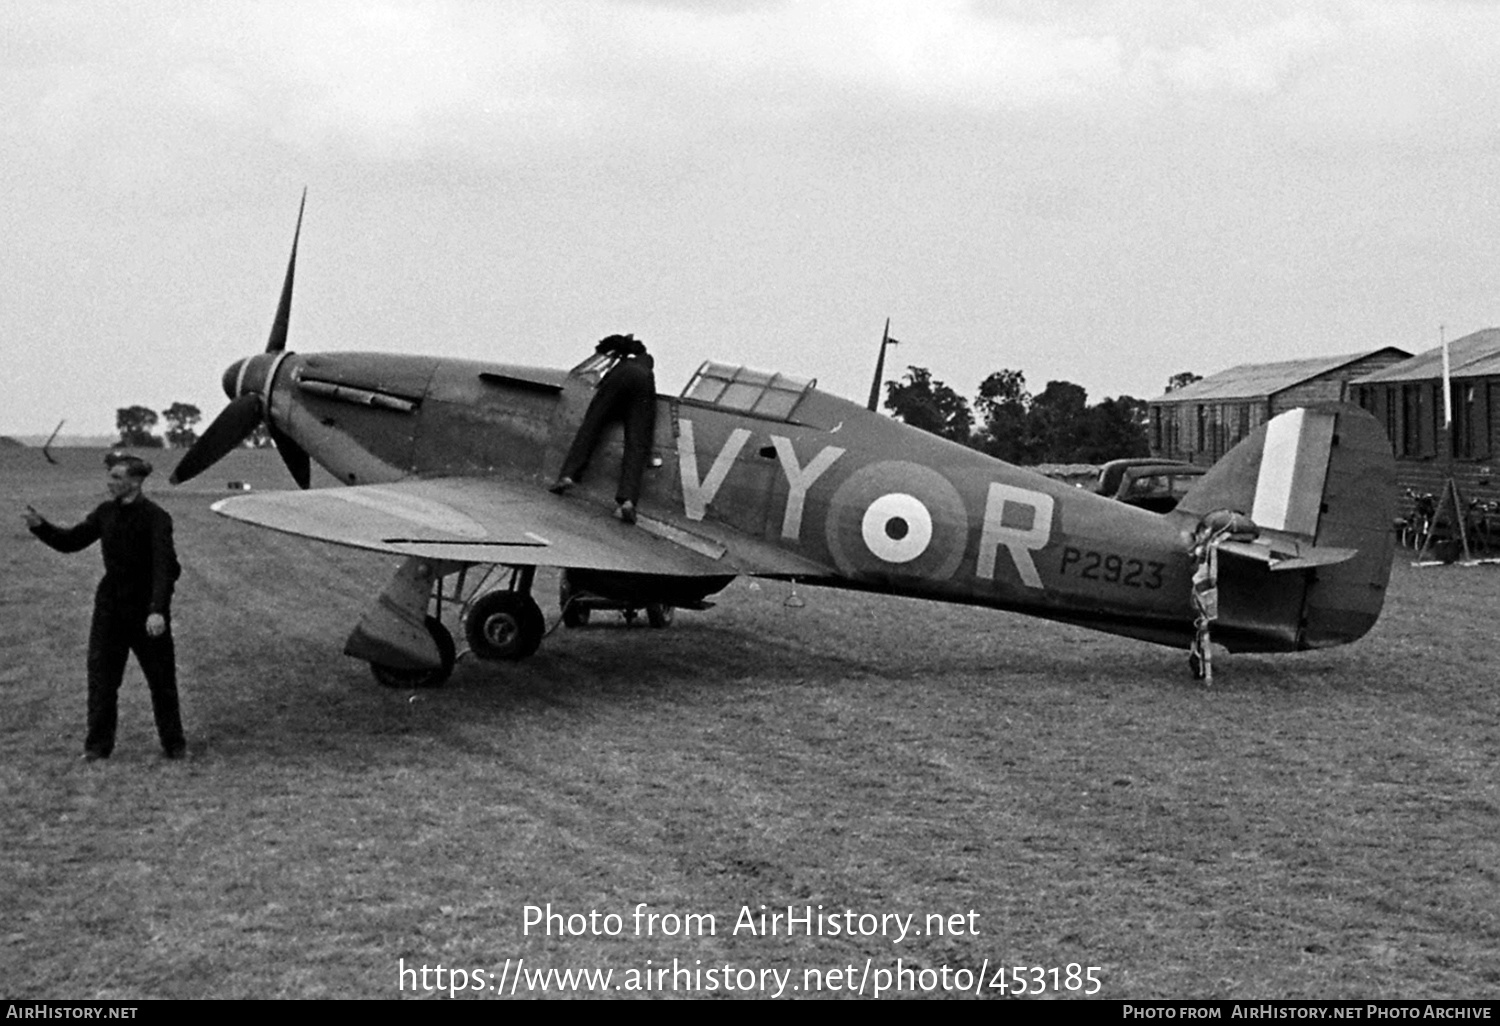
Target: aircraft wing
491 520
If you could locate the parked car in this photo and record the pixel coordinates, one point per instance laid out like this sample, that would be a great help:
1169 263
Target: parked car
1152 484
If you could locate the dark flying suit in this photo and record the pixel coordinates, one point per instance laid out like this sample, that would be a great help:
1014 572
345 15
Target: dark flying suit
626 393
140 569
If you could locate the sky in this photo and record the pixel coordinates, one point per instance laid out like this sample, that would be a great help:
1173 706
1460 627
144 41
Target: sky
1100 192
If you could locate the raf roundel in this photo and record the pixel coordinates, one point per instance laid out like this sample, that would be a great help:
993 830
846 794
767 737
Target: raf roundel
897 528
895 517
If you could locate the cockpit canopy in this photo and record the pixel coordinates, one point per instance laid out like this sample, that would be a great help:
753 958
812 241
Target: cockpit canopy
759 393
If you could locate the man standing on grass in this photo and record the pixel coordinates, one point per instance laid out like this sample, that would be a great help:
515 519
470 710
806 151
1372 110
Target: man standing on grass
132 606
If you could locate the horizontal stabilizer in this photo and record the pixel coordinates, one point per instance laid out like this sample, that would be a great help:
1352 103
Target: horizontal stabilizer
1288 557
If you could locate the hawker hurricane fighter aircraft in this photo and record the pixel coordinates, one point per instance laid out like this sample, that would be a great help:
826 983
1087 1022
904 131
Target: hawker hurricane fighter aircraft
1285 544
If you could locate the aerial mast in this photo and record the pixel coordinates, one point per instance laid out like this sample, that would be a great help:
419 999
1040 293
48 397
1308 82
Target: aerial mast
885 340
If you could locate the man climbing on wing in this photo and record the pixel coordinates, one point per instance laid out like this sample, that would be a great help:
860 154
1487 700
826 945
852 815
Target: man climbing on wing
626 393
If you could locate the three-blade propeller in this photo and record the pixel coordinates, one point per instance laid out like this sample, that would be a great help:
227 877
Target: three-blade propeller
247 409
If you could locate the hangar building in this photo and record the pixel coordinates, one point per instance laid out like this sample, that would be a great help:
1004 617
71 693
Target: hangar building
1407 397
1202 421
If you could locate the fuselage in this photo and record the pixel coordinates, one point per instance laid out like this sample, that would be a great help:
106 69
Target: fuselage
861 500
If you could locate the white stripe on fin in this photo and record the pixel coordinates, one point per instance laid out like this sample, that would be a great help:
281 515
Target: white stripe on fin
1293 469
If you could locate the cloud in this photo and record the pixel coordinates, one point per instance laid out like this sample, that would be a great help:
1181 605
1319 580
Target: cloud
931 51
516 80
1257 59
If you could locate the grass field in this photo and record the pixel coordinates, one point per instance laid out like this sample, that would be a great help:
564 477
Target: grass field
1315 826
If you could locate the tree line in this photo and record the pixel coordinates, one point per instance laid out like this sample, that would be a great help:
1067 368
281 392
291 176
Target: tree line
137 427
1057 425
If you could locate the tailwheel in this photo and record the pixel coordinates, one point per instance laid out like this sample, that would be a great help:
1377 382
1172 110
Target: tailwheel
504 625
430 677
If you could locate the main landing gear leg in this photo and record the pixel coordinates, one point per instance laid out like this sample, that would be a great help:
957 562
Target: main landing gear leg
506 624
405 644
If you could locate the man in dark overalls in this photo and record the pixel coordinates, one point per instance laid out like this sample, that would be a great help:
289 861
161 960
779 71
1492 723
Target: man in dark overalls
132 606
626 393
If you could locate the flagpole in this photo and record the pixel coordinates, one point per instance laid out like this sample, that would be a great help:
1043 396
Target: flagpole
1447 389
1450 486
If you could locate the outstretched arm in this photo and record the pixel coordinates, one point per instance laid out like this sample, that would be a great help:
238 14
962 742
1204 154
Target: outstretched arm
64 539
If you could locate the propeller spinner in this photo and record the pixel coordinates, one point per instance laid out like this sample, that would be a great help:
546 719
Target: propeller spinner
247 383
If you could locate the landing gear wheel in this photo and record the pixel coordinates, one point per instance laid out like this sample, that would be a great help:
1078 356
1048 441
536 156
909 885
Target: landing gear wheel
659 615
504 625
434 677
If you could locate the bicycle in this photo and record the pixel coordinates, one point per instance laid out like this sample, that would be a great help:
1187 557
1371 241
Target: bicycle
1414 527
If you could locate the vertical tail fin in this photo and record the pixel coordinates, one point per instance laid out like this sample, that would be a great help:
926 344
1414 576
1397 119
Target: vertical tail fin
1320 484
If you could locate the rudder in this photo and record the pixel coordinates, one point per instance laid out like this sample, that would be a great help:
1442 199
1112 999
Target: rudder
1319 482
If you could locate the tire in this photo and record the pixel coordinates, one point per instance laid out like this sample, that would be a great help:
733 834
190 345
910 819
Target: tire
659 615
435 677
504 625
